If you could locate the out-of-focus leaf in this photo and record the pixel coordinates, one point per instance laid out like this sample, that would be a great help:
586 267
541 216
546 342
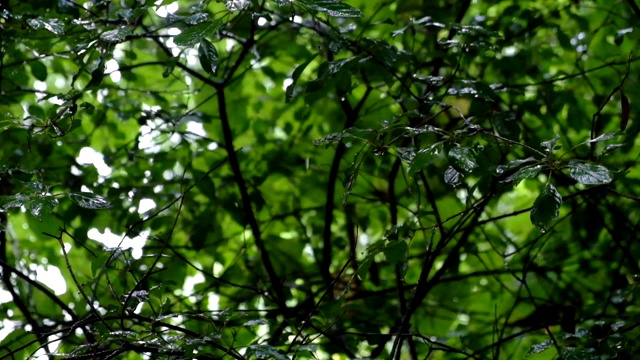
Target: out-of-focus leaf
89 200
396 251
538 348
603 137
55 26
208 56
236 5
625 112
546 208
589 174
296 75
463 157
39 70
256 322
116 35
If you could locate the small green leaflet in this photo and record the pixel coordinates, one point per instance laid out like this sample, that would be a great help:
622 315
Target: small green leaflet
89 200
295 76
208 56
546 208
550 144
333 8
589 174
194 34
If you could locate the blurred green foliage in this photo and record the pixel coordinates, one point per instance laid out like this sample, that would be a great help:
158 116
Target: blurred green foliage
319 179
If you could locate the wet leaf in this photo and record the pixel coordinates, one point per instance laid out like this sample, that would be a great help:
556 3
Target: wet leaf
603 137
452 177
589 174
208 56
266 352
89 200
550 144
116 35
463 157
333 8
425 157
53 25
194 34
501 169
527 172
546 208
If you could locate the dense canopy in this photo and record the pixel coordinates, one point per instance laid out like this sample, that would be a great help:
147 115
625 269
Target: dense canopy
279 179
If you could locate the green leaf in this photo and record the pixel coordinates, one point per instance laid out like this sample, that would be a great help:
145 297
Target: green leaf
589 174
38 70
295 76
194 34
208 56
266 352
53 25
333 8
501 169
116 35
396 251
538 348
546 208
425 157
464 157
527 172
603 137
89 200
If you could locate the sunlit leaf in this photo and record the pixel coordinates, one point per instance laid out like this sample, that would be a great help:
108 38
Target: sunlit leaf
116 35
589 174
55 26
89 200
333 8
194 34
603 137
